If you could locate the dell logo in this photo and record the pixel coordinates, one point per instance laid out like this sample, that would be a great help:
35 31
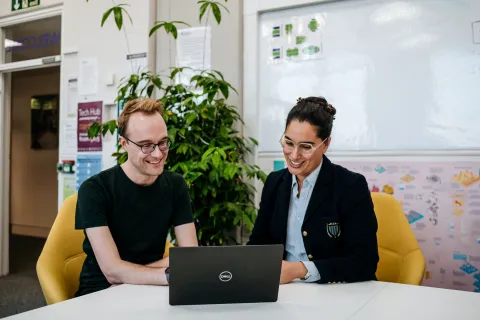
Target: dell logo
225 276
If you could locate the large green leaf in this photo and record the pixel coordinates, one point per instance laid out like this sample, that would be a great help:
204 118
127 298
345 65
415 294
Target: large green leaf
106 15
112 126
172 134
117 11
150 90
222 153
183 148
190 118
224 88
207 153
203 9
94 130
157 82
216 12
168 26
216 159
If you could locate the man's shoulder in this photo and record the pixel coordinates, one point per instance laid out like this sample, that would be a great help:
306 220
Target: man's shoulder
172 179
100 181
172 175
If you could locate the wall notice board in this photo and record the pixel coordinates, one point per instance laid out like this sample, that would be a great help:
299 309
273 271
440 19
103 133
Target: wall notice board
402 75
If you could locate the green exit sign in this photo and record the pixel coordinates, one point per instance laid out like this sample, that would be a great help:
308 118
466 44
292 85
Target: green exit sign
24 4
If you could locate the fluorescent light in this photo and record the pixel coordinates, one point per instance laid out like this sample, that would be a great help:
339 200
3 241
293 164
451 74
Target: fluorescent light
10 43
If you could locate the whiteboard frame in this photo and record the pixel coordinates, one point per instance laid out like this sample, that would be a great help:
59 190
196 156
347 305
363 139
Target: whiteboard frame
251 14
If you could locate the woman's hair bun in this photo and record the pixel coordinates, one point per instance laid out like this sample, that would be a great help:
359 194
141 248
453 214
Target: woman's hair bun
321 102
331 109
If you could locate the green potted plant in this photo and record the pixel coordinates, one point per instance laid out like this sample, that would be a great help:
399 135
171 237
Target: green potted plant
206 147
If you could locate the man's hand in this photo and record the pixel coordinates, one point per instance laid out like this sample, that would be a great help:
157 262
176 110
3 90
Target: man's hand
164 263
291 271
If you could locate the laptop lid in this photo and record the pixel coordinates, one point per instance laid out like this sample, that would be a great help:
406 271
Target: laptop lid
227 274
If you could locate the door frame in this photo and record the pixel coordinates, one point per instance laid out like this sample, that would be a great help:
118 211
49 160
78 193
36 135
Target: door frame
5 115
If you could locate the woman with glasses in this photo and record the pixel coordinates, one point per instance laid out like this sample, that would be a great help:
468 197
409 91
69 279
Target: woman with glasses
321 212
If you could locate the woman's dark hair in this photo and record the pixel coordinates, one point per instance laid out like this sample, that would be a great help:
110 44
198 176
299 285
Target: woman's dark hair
316 111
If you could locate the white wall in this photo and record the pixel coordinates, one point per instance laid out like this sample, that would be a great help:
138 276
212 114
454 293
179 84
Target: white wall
6 6
83 37
227 39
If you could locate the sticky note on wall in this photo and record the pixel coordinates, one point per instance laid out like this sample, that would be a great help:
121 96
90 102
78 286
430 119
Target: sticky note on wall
278 165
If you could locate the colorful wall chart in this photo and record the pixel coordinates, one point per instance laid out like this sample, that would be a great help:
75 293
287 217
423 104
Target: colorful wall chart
442 204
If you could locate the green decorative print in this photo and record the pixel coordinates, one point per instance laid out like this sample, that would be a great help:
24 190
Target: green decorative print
276 32
301 39
288 28
292 52
276 53
313 25
311 50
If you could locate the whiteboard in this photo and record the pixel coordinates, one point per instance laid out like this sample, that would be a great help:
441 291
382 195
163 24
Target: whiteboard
403 75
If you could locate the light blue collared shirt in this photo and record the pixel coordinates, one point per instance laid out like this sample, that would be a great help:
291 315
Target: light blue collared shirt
295 247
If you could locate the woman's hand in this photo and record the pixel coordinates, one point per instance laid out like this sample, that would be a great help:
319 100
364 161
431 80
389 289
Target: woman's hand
291 271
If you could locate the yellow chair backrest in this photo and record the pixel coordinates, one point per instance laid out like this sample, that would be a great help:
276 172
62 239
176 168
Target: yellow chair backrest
401 259
61 260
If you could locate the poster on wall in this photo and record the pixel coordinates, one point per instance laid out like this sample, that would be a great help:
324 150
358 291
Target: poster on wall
295 39
87 166
441 201
69 186
44 122
88 113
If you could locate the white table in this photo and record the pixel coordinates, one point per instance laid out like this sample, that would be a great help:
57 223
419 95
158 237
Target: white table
366 300
398 301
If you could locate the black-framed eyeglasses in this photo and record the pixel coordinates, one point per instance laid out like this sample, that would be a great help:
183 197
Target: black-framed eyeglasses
148 148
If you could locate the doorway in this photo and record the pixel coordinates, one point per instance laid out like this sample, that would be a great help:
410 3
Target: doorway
29 141
34 151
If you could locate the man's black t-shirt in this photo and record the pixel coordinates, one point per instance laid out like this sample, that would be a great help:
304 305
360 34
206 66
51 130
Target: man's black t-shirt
138 218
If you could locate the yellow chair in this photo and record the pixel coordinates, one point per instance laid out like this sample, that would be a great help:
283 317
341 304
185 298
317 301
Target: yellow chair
401 259
61 260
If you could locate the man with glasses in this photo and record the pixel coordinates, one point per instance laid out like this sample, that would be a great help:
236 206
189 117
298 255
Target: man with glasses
321 212
126 211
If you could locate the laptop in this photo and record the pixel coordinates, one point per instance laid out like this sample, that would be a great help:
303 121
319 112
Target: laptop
224 274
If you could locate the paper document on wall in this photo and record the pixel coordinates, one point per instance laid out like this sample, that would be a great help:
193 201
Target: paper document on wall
88 77
194 50
72 97
69 137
